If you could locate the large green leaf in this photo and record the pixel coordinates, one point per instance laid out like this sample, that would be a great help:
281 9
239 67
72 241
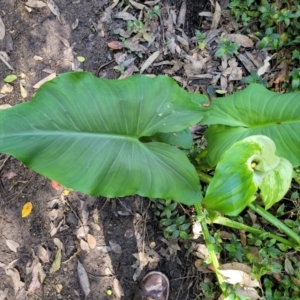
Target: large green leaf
248 165
254 111
86 133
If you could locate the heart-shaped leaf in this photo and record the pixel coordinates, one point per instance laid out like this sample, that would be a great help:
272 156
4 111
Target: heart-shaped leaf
254 111
87 133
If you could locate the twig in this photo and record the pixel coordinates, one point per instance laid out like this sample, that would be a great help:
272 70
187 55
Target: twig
104 65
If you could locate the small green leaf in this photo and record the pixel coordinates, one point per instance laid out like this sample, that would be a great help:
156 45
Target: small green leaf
81 59
10 78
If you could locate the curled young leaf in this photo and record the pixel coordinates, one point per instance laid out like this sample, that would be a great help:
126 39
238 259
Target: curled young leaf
248 165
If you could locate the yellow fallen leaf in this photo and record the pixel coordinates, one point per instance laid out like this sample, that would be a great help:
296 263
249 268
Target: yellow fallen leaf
24 93
81 59
66 192
27 209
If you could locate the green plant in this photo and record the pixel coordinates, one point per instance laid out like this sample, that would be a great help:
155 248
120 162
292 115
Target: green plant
155 11
226 47
90 134
200 39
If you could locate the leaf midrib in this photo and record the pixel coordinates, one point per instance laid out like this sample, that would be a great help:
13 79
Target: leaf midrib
46 133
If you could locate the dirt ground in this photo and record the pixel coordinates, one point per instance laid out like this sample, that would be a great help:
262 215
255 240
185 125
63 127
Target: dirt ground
38 43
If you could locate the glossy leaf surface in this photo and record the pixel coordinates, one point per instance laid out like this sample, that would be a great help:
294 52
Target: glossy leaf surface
86 133
254 111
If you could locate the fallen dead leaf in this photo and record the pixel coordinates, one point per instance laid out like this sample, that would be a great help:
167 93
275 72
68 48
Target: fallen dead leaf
2 29
43 254
54 8
125 16
55 185
75 24
48 78
118 288
238 273
91 241
27 209
84 245
83 279
24 93
5 106
35 283
240 39
149 61
182 14
57 261
7 88
82 231
15 276
37 58
137 5
11 174
58 288
35 3
216 16
12 245
115 45
282 75
64 41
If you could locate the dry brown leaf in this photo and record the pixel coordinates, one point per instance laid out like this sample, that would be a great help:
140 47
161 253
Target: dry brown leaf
11 174
118 288
240 39
295 280
83 279
2 29
137 5
57 261
149 61
201 251
48 78
82 231
182 14
35 3
84 245
115 45
262 70
15 276
282 75
12 245
288 267
7 88
75 24
4 57
115 247
54 8
216 17
5 106
125 16
35 283
23 91
43 254
95 226
135 47
64 41
238 273
91 241
198 263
